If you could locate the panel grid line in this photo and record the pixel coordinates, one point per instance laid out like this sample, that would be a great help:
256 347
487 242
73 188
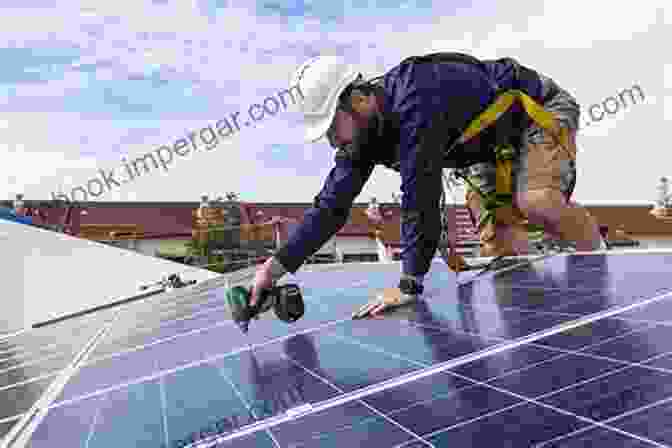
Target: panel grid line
9 419
567 353
86 361
667 323
200 362
153 314
590 421
31 380
494 378
23 430
592 424
158 341
362 402
31 362
524 399
546 361
246 404
491 379
366 391
164 411
94 423
140 329
15 333
28 351
611 420
529 366
25 345
224 323
147 329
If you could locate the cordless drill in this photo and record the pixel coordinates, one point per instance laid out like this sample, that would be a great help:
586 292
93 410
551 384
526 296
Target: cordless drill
286 301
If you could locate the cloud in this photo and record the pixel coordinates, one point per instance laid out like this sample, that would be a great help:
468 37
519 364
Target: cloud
102 79
28 173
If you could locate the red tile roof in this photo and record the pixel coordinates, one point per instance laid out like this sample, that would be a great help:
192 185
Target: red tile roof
166 220
357 224
174 219
160 221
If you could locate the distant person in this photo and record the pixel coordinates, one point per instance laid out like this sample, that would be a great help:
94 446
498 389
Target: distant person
416 120
19 206
373 212
9 214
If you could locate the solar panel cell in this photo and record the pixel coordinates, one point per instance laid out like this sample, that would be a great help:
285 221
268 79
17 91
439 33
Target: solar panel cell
183 379
636 346
613 395
18 399
349 425
80 419
534 427
438 401
6 426
652 423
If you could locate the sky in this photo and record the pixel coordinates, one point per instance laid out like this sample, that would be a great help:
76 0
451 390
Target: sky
87 86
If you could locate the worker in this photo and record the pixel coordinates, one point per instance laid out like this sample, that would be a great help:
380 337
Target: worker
506 129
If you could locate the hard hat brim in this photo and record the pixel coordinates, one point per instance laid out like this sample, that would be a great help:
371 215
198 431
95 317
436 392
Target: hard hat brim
318 125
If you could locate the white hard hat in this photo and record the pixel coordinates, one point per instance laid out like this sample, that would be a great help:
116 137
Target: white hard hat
320 81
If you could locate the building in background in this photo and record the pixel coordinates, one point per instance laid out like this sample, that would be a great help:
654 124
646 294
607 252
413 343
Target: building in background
247 231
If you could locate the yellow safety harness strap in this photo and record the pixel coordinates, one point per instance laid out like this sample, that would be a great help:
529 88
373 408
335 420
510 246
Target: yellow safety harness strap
505 153
543 118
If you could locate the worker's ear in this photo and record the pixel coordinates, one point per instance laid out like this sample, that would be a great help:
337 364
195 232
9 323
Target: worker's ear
361 102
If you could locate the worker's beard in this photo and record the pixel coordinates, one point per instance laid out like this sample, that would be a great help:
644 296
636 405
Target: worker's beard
367 136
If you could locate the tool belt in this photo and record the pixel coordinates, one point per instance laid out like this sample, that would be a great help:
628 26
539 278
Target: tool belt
498 206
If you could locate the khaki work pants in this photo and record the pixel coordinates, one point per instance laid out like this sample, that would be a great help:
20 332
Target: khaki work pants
542 175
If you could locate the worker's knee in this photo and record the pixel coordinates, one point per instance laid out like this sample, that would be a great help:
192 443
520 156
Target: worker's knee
504 240
549 208
542 205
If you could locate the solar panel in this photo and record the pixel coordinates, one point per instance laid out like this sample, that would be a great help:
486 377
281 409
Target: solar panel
571 350
6 424
30 361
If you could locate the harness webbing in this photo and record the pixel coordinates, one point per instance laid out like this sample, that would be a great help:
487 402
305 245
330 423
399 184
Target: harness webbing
505 153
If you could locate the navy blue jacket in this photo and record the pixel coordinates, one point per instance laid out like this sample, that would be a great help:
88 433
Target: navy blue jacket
416 94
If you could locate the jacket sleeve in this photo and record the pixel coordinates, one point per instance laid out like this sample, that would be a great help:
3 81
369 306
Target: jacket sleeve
421 188
435 103
329 213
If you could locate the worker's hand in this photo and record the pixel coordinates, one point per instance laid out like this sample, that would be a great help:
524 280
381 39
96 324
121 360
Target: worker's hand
374 216
456 262
263 279
388 299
